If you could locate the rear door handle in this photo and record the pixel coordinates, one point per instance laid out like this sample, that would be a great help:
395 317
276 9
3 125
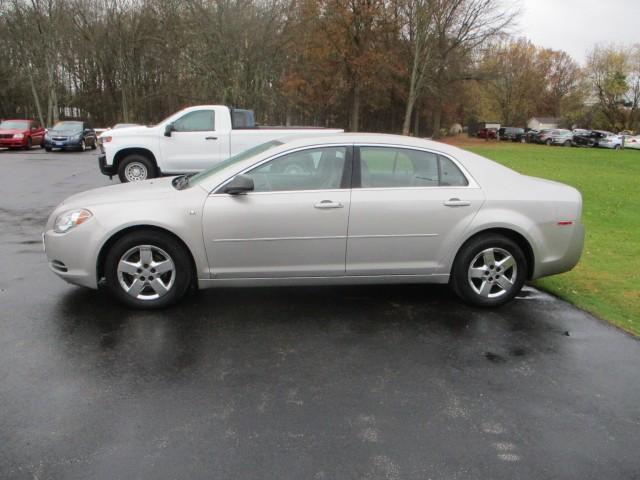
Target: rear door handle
326 204
456 202
210 138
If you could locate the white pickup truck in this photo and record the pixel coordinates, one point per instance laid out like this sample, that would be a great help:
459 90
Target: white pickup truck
188 141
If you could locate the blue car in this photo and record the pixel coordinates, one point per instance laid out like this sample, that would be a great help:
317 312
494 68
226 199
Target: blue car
70 135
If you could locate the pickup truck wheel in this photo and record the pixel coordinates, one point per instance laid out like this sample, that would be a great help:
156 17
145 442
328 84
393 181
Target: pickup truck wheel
489 271
136 168
148 270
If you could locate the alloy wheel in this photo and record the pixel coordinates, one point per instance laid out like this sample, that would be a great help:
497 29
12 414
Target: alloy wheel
146 272
492 272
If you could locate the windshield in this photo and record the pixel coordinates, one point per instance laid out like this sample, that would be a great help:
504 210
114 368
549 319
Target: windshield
68 127
263 147
14 125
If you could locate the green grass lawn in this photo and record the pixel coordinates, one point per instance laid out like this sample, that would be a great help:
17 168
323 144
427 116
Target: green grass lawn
606 282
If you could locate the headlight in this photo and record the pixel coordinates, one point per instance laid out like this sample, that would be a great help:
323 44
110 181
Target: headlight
70 219
18 136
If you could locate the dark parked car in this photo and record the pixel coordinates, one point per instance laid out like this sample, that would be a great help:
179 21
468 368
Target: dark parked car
514 134
21 134
70 135
531 136
488 133
590 138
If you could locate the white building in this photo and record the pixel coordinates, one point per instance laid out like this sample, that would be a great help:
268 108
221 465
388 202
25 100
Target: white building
542 123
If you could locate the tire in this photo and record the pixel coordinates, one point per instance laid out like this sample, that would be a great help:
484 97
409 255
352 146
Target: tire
135 168
472 268
93 145
523 140
48 149
42 143
29 144
617 147
548 142
146 251
83 146
567 143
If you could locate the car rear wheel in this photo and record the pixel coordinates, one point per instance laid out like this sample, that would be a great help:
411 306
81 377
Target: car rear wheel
489 271
136 168
567 143
548 142
29 144
148 270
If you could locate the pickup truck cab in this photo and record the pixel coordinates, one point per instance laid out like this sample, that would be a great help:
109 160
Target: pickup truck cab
188 141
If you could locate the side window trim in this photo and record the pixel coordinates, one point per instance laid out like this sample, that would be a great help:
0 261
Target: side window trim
357 170
346 181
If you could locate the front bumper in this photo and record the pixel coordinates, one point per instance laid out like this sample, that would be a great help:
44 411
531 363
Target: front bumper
105 169
12 143
63 145
69 258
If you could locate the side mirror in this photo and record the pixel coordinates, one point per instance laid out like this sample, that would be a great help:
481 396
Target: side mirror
168 129
239 184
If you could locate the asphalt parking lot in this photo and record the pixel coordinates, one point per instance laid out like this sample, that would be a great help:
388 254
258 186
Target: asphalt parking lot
399 382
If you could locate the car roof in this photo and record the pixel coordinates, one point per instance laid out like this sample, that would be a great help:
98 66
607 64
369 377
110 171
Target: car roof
294 141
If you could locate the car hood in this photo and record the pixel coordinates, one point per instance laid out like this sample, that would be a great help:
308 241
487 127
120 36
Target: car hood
126 131
155 189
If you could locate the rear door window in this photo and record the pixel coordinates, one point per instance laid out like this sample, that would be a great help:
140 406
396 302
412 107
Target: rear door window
388 167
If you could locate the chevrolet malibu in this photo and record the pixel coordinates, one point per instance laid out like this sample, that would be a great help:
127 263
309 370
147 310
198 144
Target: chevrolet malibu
334 209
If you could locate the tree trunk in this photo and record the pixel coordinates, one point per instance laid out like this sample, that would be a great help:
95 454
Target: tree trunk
355 108
406 126
36 98
437 116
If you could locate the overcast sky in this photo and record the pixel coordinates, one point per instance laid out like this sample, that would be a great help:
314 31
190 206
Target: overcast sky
575 26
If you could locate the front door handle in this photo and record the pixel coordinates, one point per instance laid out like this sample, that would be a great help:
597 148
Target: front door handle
456 202
326 204
210 138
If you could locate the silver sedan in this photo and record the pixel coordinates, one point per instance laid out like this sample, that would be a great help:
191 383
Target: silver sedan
336 209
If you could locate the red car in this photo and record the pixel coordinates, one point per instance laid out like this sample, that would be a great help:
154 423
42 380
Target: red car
21 134
489 133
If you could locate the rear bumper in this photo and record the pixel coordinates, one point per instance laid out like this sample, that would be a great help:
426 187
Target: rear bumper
565 251
105 169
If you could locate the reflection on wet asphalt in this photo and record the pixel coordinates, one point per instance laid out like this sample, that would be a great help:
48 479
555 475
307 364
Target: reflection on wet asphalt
390 382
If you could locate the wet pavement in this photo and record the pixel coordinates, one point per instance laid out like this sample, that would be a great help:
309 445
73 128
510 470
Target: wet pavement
399 382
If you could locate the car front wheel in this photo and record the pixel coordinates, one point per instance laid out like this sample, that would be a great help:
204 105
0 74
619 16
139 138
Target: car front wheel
135 168
148 270
489 271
